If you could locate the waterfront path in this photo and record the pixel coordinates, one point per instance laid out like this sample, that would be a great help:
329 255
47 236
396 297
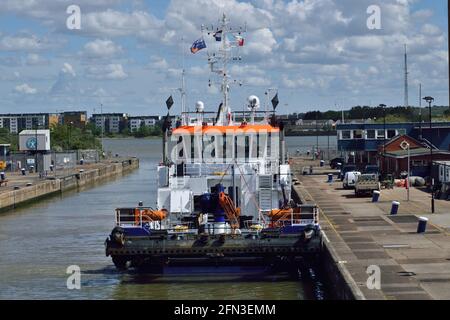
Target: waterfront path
362 233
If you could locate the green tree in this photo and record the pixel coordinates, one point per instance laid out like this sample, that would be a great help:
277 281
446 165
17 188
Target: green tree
67 137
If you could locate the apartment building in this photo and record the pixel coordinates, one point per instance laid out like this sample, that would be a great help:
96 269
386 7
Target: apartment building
134 123
27 121
110 122
74 118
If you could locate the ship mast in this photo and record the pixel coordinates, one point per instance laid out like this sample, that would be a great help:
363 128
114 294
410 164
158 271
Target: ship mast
223 57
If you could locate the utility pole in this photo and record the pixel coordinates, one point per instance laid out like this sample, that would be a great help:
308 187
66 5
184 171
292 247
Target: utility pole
317 135
406 78
420 110
383 106
430 100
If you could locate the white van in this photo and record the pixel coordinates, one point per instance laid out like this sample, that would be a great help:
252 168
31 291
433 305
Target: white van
350 179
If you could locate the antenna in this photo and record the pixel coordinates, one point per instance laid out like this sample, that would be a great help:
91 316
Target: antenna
183 87
223 57
406 78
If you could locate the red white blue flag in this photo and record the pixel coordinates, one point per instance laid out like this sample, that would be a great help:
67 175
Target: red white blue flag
239 41
198 45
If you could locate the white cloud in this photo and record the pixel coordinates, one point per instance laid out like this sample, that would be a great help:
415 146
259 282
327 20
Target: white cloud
34 59
310 48
114 23
68 69
157 62
25 89
101 49
21 43
112 71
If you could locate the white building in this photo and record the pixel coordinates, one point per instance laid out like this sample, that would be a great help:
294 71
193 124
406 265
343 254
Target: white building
134 123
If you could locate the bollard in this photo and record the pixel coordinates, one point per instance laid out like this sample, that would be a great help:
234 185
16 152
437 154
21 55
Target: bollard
395 206
376 196
23 171
422 227
81 161
2 176
322 163
330 178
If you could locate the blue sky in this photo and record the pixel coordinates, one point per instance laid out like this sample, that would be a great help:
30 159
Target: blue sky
127 55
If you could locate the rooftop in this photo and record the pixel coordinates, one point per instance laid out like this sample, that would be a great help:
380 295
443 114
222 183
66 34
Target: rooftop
414 153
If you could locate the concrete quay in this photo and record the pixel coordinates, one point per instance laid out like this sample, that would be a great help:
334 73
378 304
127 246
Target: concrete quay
359 234
21 189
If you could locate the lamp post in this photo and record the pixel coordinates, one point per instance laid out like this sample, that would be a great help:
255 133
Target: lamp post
70 134
430 100
36 147
383 106
406 145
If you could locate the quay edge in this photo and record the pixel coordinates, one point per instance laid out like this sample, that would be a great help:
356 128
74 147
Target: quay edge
340 282
44 188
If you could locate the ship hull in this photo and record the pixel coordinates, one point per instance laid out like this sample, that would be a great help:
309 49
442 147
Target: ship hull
223 250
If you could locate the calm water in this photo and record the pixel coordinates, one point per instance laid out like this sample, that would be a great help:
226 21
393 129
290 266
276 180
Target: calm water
39 241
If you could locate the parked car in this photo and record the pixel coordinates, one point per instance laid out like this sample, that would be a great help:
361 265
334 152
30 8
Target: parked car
334 162
367 184
345 169
350 179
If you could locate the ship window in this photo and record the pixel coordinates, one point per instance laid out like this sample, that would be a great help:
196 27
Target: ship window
380 134
213 151
346 134
192 149
247 148
224 149
257 145
269 144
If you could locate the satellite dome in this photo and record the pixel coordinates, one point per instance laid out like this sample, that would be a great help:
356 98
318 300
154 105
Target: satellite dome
253 102
199 106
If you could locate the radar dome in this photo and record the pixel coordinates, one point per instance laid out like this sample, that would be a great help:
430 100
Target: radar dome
199 106
253 102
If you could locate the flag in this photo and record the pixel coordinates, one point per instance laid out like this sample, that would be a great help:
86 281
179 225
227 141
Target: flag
275 101
198 45
169 103
218 35
240 41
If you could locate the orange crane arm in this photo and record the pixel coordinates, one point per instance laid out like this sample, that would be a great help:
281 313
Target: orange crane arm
231 211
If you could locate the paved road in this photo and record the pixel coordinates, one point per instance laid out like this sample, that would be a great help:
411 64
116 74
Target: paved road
413 266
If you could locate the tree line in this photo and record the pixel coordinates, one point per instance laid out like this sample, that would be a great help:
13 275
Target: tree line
378 113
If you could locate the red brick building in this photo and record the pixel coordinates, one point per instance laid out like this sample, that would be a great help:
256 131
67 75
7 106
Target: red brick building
394 156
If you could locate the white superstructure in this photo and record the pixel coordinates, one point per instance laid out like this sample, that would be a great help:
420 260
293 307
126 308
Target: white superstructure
243 152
